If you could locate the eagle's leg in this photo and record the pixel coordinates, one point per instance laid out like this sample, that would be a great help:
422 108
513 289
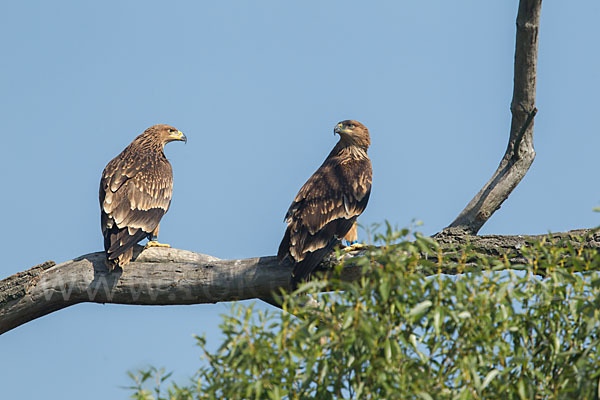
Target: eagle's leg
154 243
351 239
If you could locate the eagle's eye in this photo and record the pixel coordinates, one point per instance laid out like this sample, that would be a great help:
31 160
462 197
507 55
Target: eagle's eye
351 126
171 130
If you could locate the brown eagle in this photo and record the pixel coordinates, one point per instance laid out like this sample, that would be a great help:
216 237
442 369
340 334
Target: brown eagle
326 207
135 192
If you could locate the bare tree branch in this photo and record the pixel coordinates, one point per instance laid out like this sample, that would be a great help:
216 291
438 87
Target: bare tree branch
161 276
520 152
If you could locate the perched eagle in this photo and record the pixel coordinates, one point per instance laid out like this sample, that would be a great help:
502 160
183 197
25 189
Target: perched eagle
326 207
135 192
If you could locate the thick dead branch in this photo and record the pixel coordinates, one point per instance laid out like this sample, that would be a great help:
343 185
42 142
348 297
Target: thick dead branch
520 152
171 277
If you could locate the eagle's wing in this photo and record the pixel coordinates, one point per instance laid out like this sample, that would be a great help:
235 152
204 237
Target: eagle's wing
135 192
323 211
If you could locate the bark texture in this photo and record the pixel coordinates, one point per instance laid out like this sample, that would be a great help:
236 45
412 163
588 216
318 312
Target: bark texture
160 276
520 153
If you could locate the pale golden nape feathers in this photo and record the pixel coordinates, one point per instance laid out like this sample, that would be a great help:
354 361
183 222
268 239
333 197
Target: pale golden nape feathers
135 192
327 206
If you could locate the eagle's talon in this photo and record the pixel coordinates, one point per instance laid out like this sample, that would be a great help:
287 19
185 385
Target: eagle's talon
355 247
154 243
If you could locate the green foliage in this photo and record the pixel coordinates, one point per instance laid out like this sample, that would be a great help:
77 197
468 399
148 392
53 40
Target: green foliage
401 333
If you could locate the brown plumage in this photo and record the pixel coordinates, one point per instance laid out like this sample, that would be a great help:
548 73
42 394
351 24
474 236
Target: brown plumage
327 206
135 192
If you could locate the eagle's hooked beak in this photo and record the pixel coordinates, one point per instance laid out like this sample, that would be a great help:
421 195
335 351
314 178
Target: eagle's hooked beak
337 129
179 136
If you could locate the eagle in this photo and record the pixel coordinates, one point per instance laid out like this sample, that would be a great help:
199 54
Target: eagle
135 192
326 208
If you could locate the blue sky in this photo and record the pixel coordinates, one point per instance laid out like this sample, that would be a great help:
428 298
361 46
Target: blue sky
257 87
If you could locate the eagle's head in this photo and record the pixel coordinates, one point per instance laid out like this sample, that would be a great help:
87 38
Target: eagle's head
353 133
165 134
